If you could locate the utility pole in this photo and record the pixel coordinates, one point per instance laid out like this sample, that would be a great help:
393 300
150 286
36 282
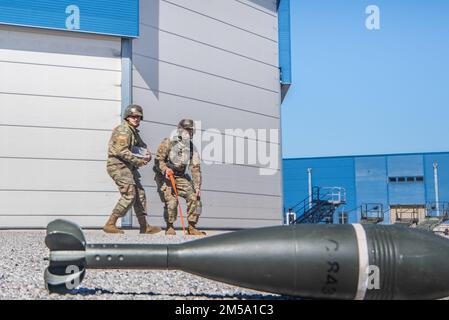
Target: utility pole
309 172
437 191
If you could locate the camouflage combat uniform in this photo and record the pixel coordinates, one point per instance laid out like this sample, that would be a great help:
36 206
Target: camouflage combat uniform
179 154
122 166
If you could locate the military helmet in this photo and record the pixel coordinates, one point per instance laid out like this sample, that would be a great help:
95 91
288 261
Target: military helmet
133 110
187 124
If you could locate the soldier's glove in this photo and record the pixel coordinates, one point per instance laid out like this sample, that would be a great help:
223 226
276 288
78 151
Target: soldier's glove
198 193
147 156
143 162
168 172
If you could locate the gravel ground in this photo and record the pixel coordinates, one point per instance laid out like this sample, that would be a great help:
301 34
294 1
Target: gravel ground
22 266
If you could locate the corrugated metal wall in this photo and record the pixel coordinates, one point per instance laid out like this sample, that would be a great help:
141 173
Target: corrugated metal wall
371 181
112 17
216 62
406 193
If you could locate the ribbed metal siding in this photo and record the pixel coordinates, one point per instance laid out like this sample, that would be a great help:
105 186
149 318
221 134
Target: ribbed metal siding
112 17
406 193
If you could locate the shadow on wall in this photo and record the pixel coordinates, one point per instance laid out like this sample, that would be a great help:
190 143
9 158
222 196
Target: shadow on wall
146 49
270 5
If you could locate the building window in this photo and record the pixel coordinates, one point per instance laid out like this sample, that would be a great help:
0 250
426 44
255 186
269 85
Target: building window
406 179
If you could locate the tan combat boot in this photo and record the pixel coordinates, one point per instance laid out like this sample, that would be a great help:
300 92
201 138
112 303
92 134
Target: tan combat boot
146 228
170 231
195 232
110 227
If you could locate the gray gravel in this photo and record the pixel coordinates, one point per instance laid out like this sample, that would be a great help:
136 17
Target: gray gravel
22 266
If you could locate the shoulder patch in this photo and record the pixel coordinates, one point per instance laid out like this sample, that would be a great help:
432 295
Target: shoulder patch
122 139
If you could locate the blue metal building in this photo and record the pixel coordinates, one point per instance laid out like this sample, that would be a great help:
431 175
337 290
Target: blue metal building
392 184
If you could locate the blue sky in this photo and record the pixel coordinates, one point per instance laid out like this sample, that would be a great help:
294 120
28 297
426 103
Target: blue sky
359 91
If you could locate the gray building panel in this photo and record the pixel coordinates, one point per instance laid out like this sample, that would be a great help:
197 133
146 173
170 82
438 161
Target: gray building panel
204 58
221 116
190 84
153 133
168 17
234 210
231 178
167 112
243 17
199 62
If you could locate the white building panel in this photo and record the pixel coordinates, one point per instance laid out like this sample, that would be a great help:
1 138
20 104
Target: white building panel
59 81
53 143
41 111
37 46
44 174
59 203
60 96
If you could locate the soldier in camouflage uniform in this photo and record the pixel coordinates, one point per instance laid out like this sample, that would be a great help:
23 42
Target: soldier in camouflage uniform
124 158
175 155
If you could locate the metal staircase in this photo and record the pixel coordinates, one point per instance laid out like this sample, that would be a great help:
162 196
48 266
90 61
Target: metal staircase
319 209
